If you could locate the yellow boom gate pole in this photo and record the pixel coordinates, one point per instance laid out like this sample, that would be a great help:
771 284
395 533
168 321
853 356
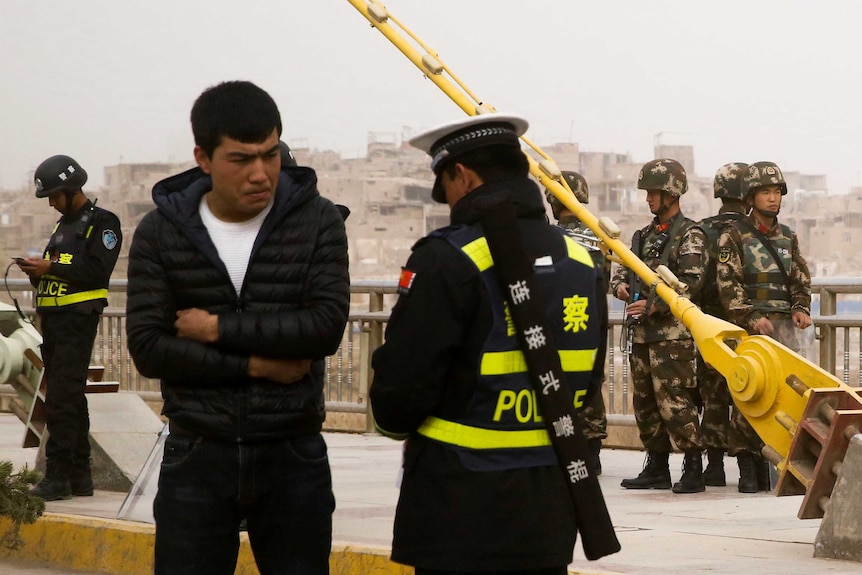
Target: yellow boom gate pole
770 384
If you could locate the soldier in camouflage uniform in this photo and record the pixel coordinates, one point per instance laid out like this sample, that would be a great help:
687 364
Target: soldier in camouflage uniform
766 292
595 420
663 353
727 186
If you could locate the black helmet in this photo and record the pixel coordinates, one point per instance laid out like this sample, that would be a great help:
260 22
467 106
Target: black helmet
287 158
57 174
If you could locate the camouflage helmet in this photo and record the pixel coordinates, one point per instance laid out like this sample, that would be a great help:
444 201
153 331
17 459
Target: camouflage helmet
58 173
764 174
666 175
579 188
728 183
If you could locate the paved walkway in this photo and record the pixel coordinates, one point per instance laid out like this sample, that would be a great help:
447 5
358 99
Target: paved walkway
720 531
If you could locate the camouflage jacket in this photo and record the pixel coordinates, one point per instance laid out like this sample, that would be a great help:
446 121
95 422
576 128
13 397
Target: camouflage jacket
749 281
712 227
688 260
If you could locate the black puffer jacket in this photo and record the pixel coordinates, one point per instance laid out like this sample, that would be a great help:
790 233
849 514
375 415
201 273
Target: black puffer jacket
293 304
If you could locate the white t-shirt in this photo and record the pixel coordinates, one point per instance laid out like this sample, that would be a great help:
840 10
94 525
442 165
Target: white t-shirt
233 240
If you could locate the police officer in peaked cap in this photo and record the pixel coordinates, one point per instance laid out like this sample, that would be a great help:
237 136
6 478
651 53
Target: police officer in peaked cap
448 376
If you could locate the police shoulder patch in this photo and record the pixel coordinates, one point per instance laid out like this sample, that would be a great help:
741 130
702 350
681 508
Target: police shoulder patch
405 282
109 239
724 255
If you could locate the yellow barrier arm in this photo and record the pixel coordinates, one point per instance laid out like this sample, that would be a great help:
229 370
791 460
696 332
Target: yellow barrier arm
768 382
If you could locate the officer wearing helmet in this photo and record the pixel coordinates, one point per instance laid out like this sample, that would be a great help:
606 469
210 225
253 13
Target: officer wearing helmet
662 352
728 187
594 415
71 281
765 288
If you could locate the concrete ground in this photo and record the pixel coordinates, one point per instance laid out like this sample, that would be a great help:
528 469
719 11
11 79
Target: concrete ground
720 531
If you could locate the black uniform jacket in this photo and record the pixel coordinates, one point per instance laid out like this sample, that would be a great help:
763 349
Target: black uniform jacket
293 304
448 517
83 250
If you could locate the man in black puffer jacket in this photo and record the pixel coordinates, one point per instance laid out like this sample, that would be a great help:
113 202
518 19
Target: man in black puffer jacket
238 290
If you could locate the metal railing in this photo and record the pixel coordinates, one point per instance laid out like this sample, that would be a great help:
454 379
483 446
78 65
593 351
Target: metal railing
348 371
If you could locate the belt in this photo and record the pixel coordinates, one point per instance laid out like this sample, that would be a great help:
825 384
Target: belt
58 301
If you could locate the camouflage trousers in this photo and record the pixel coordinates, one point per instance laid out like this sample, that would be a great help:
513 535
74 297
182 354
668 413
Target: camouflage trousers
594 418
716 405
740 435
663 378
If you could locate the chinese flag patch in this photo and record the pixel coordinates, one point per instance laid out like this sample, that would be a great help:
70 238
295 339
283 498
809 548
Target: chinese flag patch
405 282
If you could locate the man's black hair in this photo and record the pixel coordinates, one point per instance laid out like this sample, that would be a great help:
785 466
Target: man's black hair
239 110
492 163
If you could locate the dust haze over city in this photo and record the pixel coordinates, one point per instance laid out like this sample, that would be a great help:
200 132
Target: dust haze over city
110 82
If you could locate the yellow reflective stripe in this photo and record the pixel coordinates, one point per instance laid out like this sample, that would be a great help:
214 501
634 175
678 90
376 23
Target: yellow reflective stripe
578 252
503 362
480 438
55 301
479 254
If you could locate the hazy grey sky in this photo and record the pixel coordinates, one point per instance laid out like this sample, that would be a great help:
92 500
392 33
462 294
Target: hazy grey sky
108 81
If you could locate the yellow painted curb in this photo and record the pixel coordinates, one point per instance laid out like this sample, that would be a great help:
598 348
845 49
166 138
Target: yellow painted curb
86 543
117 547
354 560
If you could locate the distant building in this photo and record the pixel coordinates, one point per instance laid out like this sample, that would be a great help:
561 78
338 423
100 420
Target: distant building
389 194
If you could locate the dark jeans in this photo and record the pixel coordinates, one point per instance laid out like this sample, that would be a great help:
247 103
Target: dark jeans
282 488
66 348
546 571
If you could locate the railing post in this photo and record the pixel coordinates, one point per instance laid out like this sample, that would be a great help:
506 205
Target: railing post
371 338
828 306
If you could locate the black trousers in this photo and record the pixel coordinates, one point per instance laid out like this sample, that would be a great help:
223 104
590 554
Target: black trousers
67 343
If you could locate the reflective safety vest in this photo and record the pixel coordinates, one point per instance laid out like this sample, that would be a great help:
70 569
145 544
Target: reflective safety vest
764 282
502 428
67 242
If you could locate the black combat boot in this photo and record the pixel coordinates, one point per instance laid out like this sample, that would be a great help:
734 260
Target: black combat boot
747 472
655 474
692 473
81 478
55 485
713 475
595 445
762 469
